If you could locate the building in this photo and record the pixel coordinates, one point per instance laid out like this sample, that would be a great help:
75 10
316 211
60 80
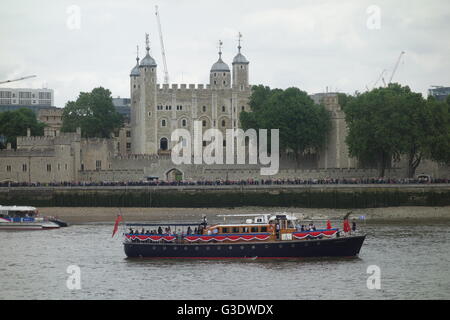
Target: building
440 93
157 110
13 99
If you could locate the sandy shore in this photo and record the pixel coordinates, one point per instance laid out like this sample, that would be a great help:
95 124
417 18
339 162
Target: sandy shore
108 215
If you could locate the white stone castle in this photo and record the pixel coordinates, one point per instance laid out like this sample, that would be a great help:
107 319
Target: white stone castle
157 110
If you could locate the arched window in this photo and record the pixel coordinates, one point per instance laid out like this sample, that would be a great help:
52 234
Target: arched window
184 122
163 144
204 123
224 123
223 108
163 123
204 108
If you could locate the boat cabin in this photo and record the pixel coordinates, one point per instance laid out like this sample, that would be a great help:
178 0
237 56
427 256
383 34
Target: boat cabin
18 212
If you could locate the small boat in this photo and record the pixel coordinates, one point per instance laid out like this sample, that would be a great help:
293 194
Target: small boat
26 218
264 236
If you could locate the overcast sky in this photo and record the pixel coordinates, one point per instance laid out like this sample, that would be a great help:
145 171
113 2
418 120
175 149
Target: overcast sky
302 43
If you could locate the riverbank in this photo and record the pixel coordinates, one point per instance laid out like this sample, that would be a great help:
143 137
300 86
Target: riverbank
345 197
379 215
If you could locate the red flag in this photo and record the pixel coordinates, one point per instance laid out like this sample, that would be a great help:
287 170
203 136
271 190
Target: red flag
116 225
328 224
346 226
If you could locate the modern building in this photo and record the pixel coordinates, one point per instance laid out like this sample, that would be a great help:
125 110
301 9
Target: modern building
440 93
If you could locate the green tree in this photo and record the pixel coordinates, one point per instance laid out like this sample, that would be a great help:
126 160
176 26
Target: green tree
388 123
94 113
303 125
15 123
437 142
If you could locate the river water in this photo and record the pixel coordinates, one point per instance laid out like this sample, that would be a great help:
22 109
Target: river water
413 260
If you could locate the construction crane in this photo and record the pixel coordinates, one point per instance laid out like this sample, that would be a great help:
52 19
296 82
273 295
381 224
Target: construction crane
379 78
396 66
23 78
163 51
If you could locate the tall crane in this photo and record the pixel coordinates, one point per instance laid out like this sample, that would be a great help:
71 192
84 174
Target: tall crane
396 66
163 51
23 78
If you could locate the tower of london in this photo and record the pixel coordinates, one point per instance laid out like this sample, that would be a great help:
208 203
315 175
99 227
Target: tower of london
158 109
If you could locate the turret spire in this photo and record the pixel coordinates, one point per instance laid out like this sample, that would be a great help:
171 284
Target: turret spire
220 49
147 43
239 40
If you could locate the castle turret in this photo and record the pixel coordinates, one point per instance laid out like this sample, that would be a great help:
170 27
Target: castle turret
220 75
240 69
143 108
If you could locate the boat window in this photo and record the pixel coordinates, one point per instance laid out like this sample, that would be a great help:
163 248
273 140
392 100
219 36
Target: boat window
235 230
263 229
246 229
224 230
254 229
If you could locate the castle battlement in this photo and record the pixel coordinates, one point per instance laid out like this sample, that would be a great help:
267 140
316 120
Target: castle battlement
201 88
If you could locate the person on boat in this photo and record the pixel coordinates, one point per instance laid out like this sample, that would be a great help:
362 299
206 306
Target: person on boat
189 230
160 230
353 226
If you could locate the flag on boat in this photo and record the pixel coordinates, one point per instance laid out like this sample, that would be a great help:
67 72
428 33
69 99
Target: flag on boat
116 225
346 226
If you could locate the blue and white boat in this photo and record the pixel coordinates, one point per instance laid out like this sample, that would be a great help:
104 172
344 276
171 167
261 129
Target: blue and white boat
26 218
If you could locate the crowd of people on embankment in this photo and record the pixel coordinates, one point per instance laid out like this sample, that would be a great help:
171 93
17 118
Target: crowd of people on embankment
246 182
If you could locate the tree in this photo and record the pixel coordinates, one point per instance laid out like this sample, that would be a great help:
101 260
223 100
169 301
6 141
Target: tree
94 113
303 125
437 142
15 123
388 123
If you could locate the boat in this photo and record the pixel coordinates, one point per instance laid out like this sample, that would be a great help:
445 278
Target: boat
265 236
26 218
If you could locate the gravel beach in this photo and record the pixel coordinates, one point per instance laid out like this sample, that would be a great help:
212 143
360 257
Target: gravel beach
108 215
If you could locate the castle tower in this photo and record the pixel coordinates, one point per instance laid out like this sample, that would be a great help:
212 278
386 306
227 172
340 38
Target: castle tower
143 108
135 87
240 69
220 76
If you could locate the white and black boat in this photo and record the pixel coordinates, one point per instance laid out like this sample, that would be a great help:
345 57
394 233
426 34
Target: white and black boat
263 237
26 218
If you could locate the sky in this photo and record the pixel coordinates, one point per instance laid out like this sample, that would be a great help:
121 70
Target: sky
75 46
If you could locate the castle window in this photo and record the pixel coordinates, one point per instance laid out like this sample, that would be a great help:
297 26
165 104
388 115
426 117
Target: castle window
128 134
163 123
224 74
215 82
59 167
184 123
223 123
215 74
224 143
243 108
150 114
225 82
204 143
82 167
204 108
98 165
49 167
8 168
163 144
128 145
204 123
24 168
223 108
65 166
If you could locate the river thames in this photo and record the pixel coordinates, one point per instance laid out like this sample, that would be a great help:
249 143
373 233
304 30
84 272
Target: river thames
413 260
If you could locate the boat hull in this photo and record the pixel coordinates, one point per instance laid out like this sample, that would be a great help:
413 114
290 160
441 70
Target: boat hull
28 226
337 247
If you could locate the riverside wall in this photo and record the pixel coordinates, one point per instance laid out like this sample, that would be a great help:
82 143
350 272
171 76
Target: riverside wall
306 196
